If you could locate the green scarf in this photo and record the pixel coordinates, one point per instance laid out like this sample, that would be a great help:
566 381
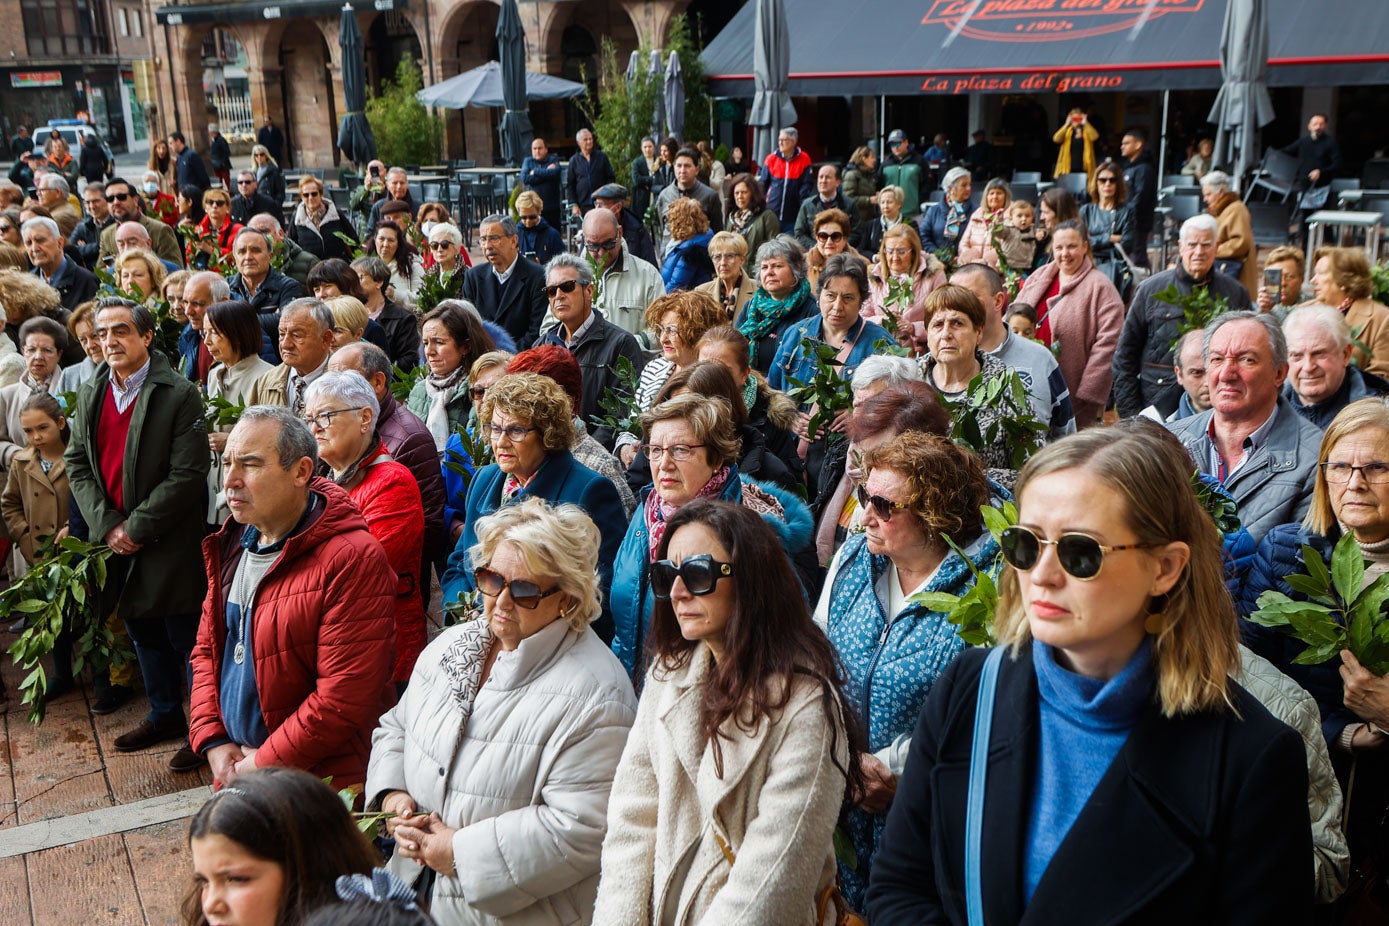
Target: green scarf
763 313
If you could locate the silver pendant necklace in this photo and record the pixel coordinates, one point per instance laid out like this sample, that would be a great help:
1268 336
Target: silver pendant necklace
239 650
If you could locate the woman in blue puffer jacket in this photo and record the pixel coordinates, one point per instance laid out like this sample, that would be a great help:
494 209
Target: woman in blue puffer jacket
693 450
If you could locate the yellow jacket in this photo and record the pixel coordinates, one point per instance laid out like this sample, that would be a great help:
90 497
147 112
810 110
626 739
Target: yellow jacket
1089 135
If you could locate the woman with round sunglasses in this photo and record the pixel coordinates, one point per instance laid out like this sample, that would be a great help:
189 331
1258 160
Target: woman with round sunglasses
918 489
1351 494
1109 221
831 231
693 449
536 238
528 420
498 761
216 231
453 336
342 412
743 751
1125 770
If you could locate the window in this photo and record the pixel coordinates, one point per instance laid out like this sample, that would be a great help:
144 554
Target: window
138 18
71 28
124 23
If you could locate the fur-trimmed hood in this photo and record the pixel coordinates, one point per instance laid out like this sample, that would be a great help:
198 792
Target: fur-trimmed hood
781 411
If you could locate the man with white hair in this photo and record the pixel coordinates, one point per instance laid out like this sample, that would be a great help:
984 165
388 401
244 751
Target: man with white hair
297 262
53 193
258 282
200 291
397 190
44 244
1143 361
306 340
1321 378
507 289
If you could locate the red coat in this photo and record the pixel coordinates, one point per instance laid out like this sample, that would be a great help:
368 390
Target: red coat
323 643
389 498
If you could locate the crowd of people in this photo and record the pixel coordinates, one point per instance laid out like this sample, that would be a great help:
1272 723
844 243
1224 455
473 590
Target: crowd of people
705 494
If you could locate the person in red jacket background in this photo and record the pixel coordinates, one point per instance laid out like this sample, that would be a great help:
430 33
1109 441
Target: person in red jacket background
297 641
788 176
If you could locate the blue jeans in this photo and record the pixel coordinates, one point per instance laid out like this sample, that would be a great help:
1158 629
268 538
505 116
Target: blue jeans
162 646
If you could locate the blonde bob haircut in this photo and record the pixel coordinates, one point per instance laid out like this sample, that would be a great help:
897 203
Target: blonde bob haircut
695 313
24 295
529 199
726 241
559 543
348 314
488 361
710 417
535 399
1362 415
1198 644
153 266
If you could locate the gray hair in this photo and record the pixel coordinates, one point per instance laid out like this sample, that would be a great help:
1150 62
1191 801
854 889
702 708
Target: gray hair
790 133
248 230
396 171
41 324
140 314
896 192
217 286
322 315
1195 334
1328 318
507 223
582 132
1202 222
886 367
348 387
294 442
57 182
366 358
447 230
245 175
784 247
1276 342
850 266
953 176
41 221
373 267
263 218
1216 180
565 259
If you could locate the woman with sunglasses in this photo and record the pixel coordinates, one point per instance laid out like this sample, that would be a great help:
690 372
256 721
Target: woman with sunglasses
528 420
536 238
901 259
215 232
316 223
499 759
918 489
693 447
743 751
1125 770
1109 222
453 337
342 412
1351 494
9 228
831 230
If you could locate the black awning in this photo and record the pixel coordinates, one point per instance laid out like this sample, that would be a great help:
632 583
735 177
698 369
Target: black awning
906 47
189 14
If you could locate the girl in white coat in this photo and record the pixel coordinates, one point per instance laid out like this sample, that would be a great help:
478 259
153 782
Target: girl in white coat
499 758
728 791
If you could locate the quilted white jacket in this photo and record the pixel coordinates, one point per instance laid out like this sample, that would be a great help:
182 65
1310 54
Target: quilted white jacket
526 782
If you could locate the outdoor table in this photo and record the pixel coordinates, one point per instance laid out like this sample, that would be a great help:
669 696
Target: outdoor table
1348 222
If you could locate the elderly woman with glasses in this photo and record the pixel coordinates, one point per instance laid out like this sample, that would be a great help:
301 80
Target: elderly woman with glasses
498 761
693 449
528 420
453 337
316 223
904 266
342 412
215 232
730 287
446 253
918 489
783 300
42 342
1236 252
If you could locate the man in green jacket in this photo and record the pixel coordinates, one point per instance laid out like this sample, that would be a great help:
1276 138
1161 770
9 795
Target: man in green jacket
903 167
138 464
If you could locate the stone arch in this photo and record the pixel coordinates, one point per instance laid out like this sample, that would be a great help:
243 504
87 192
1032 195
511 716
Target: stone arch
599 18
467 39
310 88
390 37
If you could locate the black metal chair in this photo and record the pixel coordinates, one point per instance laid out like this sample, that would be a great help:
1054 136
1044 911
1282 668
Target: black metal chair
1276 175
1270 222
1033 177
1077 184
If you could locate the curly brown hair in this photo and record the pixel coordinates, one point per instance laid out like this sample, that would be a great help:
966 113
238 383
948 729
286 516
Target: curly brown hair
953 298
685 218
695 313
24 295
946 482
535 399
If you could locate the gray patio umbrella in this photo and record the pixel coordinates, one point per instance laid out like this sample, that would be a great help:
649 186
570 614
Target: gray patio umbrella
516 128
1242 105
354 134
675 97
772 110
655 72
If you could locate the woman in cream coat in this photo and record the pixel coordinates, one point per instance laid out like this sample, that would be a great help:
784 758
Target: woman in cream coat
500 755
734 827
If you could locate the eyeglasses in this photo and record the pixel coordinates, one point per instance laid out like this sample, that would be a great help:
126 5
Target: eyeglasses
836 237
1340 473
1105 180
490 239
242 182
608 245
1079 554
678 452
215 202
700 574
323 420
514 432
525 594
566 287
530 218
882 507
725 255
118 197
662 330
898 252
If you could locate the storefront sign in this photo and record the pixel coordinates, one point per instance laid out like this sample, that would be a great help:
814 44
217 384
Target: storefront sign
1049 20
1035 82
25 79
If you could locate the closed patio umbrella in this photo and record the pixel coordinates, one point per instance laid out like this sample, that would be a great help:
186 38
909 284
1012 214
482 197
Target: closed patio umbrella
772 110
675 97
511 48
355 138
1243 104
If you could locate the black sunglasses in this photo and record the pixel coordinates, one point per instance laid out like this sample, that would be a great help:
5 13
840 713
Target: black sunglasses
1079 554
566 287
526 594
699 573
882 507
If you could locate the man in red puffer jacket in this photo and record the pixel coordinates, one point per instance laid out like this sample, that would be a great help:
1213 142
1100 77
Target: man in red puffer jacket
297 642
788 177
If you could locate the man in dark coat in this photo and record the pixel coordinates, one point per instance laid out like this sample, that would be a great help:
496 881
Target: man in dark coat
21 144
1318 155
260 284
125 206
273 139
188 165
828 195
588 170
541 173
92 165
397 190
508 290
138 464
1140 177
86 237
219 154
249 201
44 244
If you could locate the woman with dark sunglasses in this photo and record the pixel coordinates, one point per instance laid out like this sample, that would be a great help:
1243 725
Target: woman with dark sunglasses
917 489
1109 223
743 750
1128 778
499 758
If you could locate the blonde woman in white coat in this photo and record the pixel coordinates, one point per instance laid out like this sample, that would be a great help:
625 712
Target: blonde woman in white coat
500 756
728 792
